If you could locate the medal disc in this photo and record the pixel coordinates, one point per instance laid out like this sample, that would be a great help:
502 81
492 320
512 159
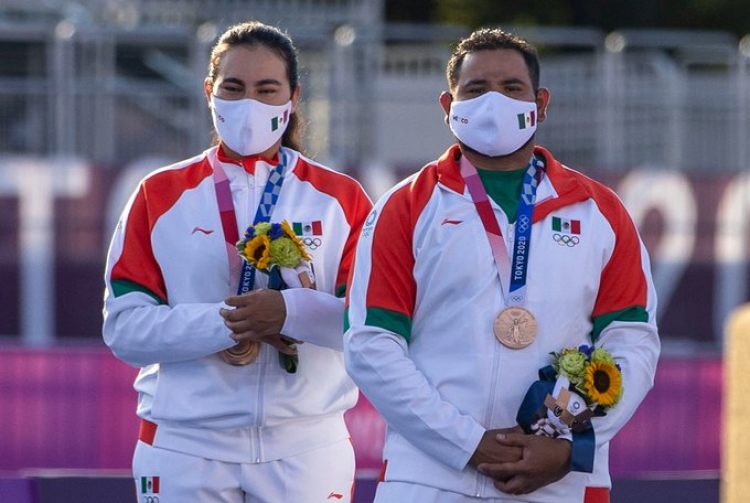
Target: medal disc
240 354
515 327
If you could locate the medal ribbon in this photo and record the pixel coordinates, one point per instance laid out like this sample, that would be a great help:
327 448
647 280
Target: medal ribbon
229 218
514 271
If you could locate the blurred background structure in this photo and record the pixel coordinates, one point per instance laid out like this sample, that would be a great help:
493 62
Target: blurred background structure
653 100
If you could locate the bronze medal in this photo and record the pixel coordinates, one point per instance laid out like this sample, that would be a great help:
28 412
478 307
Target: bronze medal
515 327
240 354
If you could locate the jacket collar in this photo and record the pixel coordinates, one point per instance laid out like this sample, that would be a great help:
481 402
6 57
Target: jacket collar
560 187
247 163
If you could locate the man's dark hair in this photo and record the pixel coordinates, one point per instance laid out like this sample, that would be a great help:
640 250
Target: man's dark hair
490 39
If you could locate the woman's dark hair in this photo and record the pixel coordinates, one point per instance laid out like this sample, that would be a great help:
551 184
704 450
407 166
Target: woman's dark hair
254 34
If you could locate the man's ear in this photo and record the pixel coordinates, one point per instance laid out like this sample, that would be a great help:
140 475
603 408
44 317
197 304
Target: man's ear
542 102
445 102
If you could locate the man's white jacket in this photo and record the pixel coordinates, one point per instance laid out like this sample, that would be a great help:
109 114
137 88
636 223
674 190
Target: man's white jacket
424 295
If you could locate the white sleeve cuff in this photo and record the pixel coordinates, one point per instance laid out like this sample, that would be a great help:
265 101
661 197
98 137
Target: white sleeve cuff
314 317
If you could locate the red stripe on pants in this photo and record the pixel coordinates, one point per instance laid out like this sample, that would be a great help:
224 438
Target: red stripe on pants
381 476
147 432
596 495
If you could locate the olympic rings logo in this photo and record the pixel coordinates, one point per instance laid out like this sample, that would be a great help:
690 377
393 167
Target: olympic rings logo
150 499
565 240
523 223
369 223
312 244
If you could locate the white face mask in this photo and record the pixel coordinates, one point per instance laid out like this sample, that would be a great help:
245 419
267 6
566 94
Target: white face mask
493 124
248 126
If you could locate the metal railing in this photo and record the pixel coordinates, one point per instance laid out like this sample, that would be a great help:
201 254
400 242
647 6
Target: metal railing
88 83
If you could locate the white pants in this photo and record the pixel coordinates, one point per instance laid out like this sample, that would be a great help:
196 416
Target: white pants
320 476
400 492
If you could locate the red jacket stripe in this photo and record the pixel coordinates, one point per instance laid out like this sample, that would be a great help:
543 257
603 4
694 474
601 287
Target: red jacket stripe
346 191
137 263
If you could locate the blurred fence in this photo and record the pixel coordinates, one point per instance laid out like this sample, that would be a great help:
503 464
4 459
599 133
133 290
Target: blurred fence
112 81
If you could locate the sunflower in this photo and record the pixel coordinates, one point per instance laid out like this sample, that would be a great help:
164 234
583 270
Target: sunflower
603 383
257 251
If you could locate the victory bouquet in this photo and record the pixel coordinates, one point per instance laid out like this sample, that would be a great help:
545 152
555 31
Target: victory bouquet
580 383
274 249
